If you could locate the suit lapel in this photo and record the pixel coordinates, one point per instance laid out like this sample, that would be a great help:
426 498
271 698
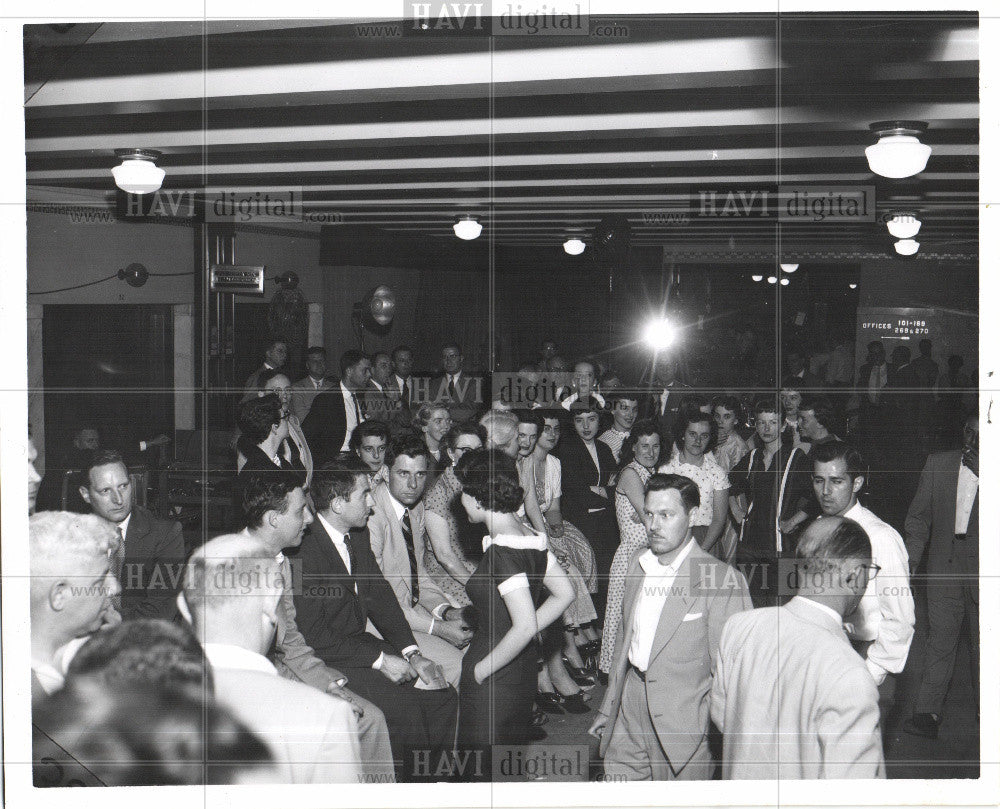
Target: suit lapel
950 493
675 607
138 528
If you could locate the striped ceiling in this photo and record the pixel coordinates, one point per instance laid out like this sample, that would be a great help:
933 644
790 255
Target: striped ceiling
539 136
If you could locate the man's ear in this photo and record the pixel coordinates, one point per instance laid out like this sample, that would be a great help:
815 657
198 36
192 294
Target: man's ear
182 608
59 595
271 518
85 494
859 482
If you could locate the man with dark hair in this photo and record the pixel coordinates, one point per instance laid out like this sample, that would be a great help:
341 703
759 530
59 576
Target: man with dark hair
653 724
665 393
275 356
464 392
881 628
791 697
309 387
275 513
943 519
395 531
770 498
624 406
342 588
382 398
335 413
149 549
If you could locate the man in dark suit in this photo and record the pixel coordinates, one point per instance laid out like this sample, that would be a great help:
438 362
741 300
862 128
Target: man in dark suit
587 466
275 356
150 550
465 393
336 412
382 397
944 517
342 588
309 387
665 395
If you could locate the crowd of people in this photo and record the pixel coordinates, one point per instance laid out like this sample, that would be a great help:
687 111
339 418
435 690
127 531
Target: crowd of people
424 569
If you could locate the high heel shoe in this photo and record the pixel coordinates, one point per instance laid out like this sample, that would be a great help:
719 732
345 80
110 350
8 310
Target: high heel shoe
580 676
550 702
576 703
590 648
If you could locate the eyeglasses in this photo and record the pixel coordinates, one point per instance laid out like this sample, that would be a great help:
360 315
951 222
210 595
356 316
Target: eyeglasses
872 570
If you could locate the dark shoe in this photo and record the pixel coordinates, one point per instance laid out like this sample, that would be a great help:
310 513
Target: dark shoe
590 648
602 678
576 704
581 677
536 734
923 724
549 701
538 717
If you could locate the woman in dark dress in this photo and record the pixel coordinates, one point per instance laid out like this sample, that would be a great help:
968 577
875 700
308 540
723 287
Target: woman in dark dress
263 441
500 667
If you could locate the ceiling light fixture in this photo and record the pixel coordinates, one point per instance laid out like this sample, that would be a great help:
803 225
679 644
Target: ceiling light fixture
899 152
907 247
789 267
853 286
138 173
467 228
785 282
574 246
757 278
772 279
903 226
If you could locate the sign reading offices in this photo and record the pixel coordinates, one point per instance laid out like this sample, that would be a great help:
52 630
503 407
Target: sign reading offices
434 17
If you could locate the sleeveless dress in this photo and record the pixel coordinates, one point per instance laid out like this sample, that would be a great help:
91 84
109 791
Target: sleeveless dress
498 711
633 536
443 498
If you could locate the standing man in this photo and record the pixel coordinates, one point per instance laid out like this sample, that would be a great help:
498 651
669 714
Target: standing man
653 724
335 413
791 697
881 628
382 397
307 388
275 356
583 386
624 412
396 531
665 395
402 367
150 550
464 392
944 517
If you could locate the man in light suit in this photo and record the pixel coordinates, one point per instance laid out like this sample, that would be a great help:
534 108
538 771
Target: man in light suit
307 388
151 550
944 516
653 724
790 695
396 530
231 592
464 392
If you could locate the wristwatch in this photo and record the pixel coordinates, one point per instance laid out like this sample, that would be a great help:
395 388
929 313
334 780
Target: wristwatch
410 655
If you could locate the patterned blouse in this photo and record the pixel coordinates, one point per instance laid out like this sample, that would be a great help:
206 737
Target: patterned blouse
710 478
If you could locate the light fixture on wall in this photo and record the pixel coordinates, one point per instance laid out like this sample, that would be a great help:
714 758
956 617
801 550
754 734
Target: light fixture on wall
903 225
467 228
574 246
138 172
899 152
789 267
907 247
757 278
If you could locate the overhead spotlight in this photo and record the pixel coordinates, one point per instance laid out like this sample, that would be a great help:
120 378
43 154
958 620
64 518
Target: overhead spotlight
574 246
907 247
757 278
899 152
903 226
853 286
785 282
138 173
772 279
659 334
789 267
467 228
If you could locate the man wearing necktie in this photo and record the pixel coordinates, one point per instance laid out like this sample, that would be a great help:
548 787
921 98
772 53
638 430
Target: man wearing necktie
396 531
464 392
335 413
149 550
944 519
308 388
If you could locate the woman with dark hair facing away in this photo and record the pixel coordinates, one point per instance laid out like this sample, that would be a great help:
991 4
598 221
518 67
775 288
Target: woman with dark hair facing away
500 666
263 437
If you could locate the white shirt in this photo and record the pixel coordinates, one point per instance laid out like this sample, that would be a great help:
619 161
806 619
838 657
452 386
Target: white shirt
402 383
655 587
965 496
124 524
49 677
352 415
885 614
227 656
592 449
574 396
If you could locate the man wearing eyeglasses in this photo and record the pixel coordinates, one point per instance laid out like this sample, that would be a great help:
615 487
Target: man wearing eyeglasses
881 628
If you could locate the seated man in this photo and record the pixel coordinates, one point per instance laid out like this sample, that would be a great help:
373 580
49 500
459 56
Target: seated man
396 530
342 588
231 592
71 586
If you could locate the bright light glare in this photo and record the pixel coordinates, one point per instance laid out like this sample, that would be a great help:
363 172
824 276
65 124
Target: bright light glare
658 334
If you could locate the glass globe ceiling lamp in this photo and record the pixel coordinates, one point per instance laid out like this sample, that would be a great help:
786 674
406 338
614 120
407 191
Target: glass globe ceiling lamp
907 247
467 228
898 152
138 172
574 246
903 225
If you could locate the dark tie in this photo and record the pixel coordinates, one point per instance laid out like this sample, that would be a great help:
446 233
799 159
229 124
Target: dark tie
357 410
408 536
406 394
117 562
451 388
352 573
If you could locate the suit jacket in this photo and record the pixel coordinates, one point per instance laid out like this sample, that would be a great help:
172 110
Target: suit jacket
649 408
303 393
930 520
579 473
468 398
332 617
326 424
389 548
381 404
704 594
793 699
154 556
312 736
